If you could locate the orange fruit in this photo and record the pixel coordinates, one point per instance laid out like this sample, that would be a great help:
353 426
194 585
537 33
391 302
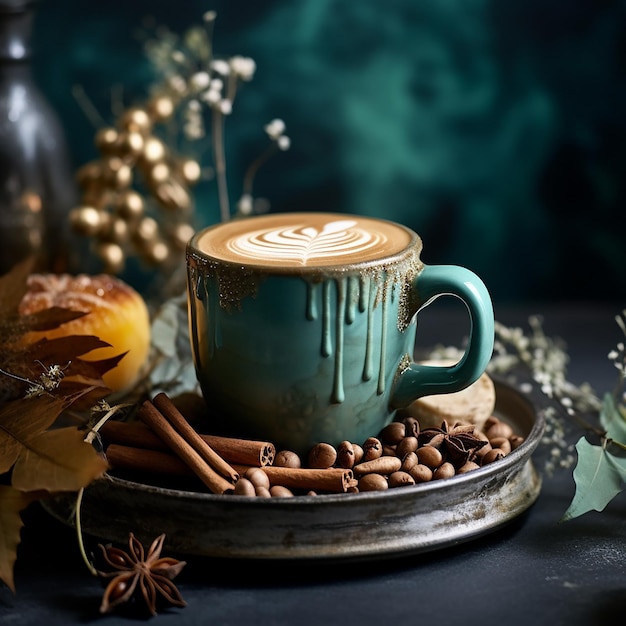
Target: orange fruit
116 313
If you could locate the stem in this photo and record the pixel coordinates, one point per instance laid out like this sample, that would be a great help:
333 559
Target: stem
254 168
79 534
231 87
620 445
208 29
220 164
16 377
88 107
91 435
117 99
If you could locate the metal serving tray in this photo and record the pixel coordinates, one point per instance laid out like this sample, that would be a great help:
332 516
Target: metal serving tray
411 519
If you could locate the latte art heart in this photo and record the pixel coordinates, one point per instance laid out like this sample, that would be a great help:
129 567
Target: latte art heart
302 244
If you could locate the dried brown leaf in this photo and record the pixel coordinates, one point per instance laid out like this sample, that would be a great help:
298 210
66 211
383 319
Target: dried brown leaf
95 369
12 503
31 361
23 363
86 397
13 327
57 460
13 287
22 419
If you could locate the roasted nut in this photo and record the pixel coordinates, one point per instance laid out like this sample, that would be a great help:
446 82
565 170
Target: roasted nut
322 456
445 470
257 477
468 467
287 458
372 449
489 422
421 473
498 429
502 443
243 487
408 444
358 452
373 482
392 434
430 456
400 479
409 461
479 453
278 491
345 455
411 427
516 441
263 492
494 454
382 465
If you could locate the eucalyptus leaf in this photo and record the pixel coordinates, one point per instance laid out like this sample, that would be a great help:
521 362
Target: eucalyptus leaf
599 477
173 371
166 325
612 419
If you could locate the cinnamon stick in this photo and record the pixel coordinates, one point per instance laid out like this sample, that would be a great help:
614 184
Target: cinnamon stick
333 479
168 409
235 451
242 451
142 460
184 450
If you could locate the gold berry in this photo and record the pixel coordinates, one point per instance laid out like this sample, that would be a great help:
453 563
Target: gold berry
86 220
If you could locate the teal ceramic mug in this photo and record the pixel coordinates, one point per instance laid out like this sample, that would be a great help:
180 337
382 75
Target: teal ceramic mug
303 325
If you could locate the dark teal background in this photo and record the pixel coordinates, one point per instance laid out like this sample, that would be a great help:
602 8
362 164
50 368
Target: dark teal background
496 129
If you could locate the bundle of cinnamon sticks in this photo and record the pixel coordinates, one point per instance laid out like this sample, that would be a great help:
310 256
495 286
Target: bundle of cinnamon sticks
163 442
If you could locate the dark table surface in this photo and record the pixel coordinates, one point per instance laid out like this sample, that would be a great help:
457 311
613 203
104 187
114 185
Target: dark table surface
535 570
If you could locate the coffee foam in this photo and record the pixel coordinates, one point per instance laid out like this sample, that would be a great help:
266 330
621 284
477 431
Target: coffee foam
303 240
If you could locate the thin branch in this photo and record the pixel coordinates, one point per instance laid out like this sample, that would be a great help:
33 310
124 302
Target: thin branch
88 107
220 163
248 180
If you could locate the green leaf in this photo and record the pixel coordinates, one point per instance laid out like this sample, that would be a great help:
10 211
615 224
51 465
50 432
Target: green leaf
612 419
599 477
173 371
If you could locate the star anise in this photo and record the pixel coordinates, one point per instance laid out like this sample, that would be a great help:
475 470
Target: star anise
135 576
458 442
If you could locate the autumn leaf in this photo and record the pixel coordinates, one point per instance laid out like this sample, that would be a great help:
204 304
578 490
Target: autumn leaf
13 286
599 477
30 363
14 326
57 460
23 419
12 503
23 362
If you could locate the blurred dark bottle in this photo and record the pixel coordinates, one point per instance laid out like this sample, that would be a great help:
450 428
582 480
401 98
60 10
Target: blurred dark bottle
37 188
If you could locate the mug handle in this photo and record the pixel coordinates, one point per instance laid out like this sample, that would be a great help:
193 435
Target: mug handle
418 380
